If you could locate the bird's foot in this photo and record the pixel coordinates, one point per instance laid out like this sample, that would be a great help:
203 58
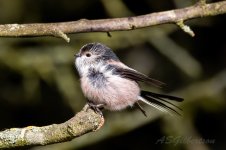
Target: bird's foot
96 107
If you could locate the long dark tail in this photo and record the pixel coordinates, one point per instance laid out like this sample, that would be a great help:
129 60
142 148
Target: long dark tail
160 102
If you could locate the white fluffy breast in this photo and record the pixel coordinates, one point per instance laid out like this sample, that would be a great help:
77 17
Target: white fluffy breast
117 92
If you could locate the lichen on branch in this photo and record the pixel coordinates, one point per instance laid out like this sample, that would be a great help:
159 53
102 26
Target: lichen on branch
83 122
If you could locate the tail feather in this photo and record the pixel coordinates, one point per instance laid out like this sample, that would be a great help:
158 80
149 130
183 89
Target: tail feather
152 104
156 95
166 102
159 101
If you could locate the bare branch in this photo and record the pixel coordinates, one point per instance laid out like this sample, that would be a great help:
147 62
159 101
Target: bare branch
83 122
117 24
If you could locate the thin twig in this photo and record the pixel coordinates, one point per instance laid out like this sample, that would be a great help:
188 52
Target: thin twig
83 122
116 24
185 28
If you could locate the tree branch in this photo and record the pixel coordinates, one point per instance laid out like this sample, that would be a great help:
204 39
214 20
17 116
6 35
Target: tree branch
117 24
83 122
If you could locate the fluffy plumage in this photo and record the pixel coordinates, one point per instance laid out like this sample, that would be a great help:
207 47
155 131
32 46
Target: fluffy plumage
107 82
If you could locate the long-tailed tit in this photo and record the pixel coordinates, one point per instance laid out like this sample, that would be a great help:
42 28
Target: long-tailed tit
108 83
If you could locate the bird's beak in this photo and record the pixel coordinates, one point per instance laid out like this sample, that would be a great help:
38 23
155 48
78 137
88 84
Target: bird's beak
77 55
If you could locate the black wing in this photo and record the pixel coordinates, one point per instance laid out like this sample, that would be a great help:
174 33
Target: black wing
137 76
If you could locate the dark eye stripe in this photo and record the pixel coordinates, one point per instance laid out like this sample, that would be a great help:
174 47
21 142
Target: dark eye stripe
87 47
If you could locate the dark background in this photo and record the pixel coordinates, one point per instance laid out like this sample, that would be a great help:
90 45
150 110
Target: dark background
39 84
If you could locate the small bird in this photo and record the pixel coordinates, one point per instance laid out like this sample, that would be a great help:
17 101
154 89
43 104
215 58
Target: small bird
108 83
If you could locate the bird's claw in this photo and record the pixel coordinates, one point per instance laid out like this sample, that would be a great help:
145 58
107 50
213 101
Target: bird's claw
97 108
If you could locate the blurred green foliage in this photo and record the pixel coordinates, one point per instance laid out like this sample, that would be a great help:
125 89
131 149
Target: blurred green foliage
39 84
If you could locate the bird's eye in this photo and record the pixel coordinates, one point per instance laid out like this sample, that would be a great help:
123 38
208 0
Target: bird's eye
88 54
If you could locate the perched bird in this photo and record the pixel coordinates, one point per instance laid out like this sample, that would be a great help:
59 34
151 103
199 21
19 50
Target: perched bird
108 83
